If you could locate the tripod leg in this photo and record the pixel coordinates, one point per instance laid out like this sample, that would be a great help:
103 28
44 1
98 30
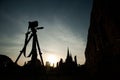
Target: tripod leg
40 53
24 48
18 57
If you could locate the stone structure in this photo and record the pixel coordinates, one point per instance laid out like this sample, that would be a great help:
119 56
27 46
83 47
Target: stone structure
103 45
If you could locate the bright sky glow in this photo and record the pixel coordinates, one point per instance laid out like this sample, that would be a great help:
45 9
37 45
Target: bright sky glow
52 59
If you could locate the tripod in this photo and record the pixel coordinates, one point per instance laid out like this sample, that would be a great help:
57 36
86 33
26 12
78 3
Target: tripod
35 44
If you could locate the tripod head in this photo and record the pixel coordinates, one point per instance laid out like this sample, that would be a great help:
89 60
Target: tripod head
34 26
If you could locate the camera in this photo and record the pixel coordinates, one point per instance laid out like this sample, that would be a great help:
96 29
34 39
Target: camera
33 24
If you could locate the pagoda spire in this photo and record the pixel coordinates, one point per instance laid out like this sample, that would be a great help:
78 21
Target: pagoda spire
68 52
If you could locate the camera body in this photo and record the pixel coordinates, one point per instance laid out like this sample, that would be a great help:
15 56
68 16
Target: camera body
33 24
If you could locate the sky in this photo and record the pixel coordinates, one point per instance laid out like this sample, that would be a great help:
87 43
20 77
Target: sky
65 23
